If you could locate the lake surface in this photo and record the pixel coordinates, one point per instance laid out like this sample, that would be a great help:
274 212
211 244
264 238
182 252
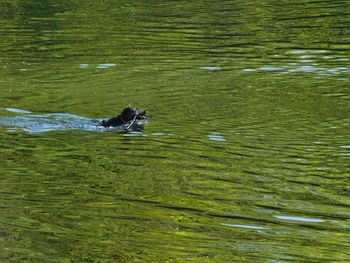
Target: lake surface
245 156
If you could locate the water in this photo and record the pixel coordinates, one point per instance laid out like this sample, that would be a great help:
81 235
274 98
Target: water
245 153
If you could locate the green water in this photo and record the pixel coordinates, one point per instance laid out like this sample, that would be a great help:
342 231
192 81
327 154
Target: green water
245 156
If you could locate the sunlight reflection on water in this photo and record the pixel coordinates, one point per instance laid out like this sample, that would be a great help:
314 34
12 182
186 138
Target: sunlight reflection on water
309 63
301 219
244 226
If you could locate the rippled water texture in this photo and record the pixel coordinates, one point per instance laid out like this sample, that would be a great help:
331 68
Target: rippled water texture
245 154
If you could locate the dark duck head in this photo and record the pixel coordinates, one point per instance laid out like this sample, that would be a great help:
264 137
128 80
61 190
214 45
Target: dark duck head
128 115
